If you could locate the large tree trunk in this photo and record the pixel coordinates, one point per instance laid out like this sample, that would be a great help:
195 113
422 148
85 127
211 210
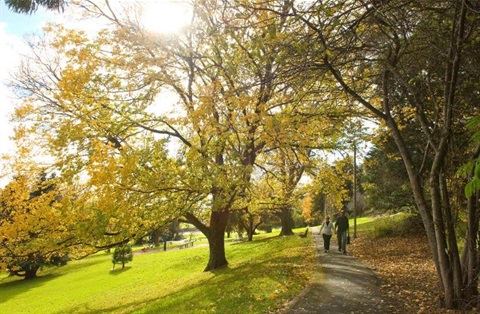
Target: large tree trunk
470 256
217 257
215 234
287 222
156 236
31 272
250 227
436 218
216 240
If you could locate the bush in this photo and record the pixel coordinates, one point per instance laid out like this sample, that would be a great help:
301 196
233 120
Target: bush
122 255
59 259
400 225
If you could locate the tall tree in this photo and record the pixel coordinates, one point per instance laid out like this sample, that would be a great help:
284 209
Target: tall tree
411 61
286 171
385 180
138 165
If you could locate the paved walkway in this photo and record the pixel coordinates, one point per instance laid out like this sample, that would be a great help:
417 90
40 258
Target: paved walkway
341 284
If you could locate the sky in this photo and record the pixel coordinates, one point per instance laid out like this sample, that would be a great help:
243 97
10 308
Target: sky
20 24
13 27
169 16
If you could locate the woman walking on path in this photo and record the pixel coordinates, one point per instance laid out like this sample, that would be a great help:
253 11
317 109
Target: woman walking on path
327 231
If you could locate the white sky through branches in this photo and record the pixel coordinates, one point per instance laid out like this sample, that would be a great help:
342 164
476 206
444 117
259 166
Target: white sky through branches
13 27
162 16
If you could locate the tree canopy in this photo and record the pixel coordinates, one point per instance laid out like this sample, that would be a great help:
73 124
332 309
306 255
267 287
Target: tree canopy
409 64
37 225
103 99
151 127
31 6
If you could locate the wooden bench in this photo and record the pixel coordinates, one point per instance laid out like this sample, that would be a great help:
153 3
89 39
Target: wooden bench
186 244
304 234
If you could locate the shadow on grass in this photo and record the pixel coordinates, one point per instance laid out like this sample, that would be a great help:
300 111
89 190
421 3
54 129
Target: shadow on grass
15 287
255 285
262 290
259 276
262 240
266 280
219 295
119 270
85 263
11 287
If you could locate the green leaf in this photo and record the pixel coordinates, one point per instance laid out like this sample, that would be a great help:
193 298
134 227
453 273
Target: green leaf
472 187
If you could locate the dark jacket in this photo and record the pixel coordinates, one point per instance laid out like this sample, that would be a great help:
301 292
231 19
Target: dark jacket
342 224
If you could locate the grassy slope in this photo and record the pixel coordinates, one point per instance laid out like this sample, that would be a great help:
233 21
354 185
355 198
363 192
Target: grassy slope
260 277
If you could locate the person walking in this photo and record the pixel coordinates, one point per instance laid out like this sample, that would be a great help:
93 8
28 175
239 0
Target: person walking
342 230
326 230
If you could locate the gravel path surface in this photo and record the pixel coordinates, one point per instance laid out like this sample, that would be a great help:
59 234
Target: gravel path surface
341 284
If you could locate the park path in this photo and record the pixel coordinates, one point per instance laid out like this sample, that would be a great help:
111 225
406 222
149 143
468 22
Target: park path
341 284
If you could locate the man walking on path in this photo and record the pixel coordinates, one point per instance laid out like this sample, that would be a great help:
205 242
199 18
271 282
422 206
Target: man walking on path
340 285
342 229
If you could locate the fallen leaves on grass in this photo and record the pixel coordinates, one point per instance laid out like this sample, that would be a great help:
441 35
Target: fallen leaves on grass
406 268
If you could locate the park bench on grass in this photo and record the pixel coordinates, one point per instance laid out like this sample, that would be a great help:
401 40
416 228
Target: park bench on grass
147 247
304 234
185 244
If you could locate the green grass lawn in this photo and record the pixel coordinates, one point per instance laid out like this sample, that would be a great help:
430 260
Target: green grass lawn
261 276
386 225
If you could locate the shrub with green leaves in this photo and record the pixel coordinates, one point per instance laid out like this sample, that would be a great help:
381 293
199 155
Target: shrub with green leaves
398 225
122 255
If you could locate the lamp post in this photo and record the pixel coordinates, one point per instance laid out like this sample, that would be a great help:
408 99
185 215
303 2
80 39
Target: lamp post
325 206
354 189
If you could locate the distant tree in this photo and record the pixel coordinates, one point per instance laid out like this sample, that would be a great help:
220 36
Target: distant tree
236 224
31 6
307 209
385 179
122 255
330 186
250 222
275 196
290 172
318 204
34 230
155 236
269 221
173 230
